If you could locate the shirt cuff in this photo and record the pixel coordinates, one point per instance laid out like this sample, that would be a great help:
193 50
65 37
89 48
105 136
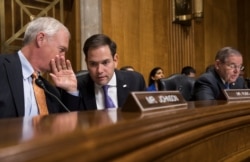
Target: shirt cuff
74 93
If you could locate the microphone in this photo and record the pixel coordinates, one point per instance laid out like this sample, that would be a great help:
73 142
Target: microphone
40 83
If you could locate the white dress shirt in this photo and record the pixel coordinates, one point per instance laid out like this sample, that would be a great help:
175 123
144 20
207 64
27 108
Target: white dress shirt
30 105
112 92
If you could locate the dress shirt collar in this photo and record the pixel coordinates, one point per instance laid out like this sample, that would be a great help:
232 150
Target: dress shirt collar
223 81
112 82
27 69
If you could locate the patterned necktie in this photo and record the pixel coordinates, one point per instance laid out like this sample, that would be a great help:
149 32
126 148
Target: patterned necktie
40 96
107 100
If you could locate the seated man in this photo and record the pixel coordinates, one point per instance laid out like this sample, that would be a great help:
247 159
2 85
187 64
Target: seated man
101 59
128 67
227 67
45 42
188 71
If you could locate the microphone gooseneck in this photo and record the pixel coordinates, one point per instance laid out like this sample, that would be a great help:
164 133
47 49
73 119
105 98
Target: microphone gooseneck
40 83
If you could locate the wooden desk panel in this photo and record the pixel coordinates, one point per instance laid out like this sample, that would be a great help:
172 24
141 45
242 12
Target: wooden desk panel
206 131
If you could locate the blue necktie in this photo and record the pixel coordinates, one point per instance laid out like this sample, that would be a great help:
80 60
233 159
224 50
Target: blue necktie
107 100
227 86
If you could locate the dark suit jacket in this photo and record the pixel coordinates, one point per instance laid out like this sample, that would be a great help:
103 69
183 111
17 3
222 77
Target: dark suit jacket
11 89
209 86
127 81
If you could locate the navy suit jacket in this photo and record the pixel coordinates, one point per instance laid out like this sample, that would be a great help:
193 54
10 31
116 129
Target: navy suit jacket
127 81
12 90
209 86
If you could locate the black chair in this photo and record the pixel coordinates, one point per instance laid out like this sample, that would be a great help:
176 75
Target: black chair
179 82
81 73
247 81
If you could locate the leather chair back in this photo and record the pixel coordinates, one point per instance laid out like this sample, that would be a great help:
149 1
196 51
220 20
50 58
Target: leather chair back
247 80
179 82
81 73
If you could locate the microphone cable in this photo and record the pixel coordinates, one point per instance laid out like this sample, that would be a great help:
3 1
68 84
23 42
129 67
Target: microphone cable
40 83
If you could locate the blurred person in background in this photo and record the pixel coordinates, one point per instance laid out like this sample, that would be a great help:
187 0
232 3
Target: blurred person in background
154 75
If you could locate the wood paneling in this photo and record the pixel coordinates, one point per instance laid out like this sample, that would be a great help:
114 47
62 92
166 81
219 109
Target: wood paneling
244 33
72 21
220 27
146 36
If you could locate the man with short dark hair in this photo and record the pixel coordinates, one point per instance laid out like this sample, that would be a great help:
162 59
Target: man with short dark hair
188 71
101 59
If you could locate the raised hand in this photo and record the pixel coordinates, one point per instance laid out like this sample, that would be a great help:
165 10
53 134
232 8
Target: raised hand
62 74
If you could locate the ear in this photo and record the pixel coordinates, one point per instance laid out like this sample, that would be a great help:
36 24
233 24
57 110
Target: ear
217 64
40 39
115 59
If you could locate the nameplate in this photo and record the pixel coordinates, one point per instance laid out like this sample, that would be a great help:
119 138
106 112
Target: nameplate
155 100
237 94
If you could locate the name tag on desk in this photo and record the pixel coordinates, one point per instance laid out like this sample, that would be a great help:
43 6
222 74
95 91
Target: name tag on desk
237 94
154 100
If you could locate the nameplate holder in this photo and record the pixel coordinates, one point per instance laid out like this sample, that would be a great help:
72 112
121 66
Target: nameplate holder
237 94
153 101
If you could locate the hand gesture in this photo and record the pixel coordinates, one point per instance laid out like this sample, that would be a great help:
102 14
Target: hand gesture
62 74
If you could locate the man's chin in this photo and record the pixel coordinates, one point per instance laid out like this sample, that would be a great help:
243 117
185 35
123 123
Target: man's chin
101 82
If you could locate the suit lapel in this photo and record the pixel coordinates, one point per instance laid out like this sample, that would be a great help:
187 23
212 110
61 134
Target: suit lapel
221 85
122 88
89 98
15 78
219 81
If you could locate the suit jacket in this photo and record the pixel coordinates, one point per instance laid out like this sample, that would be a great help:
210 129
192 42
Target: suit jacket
127 81
12 90
209 86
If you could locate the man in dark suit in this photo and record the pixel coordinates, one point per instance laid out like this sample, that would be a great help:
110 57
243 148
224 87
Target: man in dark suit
101 59
225 75
45 42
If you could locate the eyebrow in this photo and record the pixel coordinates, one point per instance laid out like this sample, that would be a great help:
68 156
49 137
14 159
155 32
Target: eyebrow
64 48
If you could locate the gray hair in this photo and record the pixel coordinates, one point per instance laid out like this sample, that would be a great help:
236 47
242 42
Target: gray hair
48 25
225 52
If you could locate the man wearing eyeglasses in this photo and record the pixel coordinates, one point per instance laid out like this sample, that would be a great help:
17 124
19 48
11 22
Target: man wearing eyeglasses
225 75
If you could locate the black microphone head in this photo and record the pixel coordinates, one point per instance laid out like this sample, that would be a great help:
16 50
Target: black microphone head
40 83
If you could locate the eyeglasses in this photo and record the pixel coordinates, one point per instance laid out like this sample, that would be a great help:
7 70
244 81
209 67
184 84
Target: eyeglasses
233 66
